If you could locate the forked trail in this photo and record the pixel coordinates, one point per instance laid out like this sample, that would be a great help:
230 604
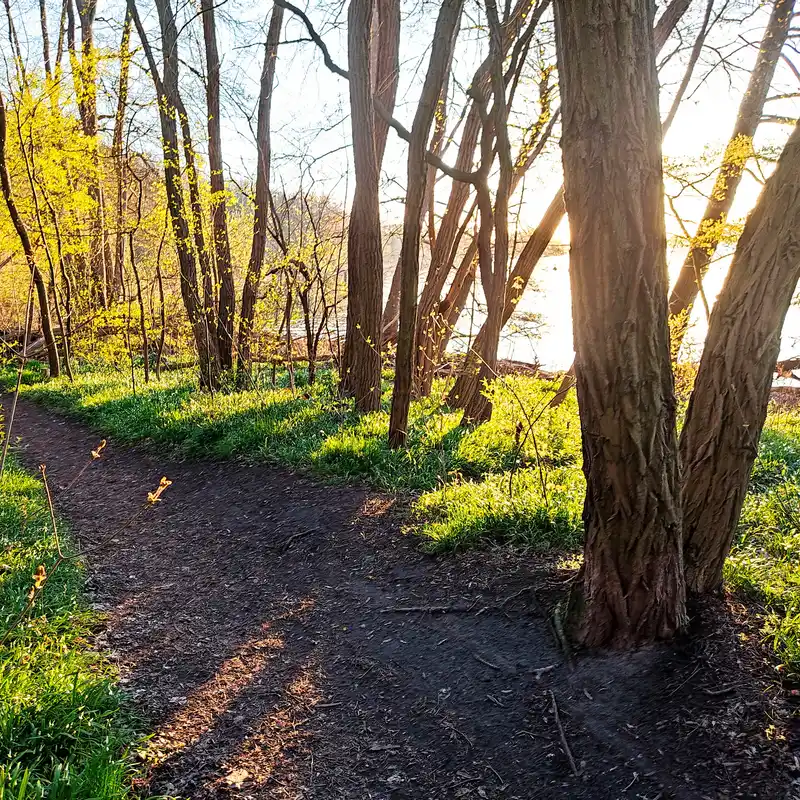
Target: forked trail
257 620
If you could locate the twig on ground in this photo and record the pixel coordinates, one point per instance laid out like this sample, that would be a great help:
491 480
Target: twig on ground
563 736
684 682
484 661
460 733
719 692
497 775
514 596
537 673
633 780
287 543
426 610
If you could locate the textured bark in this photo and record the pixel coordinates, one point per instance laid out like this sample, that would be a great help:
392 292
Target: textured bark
385 52
22 233
361 360
438 67
737 152
632 579
728 406
258 245
219 213
166 90
536 246
433 329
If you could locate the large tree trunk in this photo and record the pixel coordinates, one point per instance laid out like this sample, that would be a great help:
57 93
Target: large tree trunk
22 232
536 246
719 441
632 578
166 91
737 152
433 313
443 42
219 214
258 245
361 361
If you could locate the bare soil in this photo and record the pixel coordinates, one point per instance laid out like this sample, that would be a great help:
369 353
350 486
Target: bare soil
260 621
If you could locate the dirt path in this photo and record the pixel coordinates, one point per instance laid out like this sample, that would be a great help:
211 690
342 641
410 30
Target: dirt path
251 616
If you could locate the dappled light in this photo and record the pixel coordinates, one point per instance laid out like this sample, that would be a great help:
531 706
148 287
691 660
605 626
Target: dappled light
399 401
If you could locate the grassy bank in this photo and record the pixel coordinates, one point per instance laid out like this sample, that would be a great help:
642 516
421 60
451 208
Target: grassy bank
464 475
516 479
63 733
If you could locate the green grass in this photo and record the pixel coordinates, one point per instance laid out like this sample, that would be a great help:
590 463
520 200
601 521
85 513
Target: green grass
313 429
764 564
63 731
465 495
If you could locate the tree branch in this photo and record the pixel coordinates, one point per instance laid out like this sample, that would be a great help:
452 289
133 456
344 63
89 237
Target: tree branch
403 132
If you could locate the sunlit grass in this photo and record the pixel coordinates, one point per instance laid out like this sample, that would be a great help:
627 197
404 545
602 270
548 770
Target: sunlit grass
764 565
313 428
460 477
63 733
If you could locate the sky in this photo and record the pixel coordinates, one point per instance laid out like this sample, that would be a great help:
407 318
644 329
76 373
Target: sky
311 128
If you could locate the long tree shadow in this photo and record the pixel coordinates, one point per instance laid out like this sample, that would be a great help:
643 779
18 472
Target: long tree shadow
283 641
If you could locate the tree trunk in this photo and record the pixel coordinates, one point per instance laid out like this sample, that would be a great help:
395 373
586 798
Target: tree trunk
430 325
467 393
443 42
486 341
22 232
171 86
48 67
166 90
219 214
361 361
737 152
391 311
117 149
536 246
261 213
386 52
84 72
632 578
719 441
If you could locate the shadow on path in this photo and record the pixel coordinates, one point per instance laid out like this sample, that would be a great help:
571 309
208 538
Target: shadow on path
254 616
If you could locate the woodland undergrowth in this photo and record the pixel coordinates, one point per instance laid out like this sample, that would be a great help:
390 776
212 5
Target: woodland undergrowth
515 480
